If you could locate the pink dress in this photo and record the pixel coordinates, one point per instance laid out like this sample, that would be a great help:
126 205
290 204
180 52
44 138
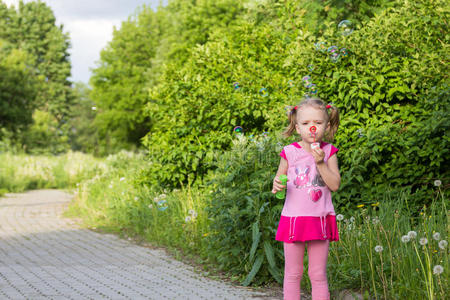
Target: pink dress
308 212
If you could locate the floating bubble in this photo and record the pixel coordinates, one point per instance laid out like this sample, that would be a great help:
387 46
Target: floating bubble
290 83
313 89
344 52
311 68
236 85
345 27
263 92
306 78
162 205
238 129
321 46
333 51
265 134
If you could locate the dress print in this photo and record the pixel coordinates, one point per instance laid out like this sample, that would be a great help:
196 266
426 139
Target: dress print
302 180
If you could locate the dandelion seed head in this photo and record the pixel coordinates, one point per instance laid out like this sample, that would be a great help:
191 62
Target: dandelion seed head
122 178
340 217
438 269
443 244
423 241
412 234
378 248
405 238
437 182
150 206
352 219
187 219
437 236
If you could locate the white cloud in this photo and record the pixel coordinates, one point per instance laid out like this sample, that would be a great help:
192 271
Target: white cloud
90 25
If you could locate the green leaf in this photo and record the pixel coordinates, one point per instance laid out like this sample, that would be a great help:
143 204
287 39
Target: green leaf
269 253
256 266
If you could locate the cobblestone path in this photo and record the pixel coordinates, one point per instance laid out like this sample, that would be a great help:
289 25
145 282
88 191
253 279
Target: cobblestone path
46 256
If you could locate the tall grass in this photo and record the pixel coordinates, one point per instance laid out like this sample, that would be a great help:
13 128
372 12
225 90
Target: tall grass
386 249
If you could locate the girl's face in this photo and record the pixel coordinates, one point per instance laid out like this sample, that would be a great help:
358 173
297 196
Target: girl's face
309 116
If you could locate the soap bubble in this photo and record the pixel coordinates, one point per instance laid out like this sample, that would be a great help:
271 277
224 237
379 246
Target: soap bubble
238 129
290 83
344 52
263 92
236 85
307 81
333 51
265 134
311 68
345 27
162 205
321 46
313 89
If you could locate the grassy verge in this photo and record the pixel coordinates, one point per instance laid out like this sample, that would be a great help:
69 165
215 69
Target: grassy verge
383 251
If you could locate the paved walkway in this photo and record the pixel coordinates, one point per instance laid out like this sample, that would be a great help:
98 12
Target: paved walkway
46 256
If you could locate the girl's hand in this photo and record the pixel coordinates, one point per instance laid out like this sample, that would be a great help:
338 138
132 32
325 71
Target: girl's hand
277 186
318 155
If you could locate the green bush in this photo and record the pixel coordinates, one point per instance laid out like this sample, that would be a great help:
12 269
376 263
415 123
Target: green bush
381 88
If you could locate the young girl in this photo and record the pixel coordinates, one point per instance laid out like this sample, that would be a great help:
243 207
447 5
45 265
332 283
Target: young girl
308 215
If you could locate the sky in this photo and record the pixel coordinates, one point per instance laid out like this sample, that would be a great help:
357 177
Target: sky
90 25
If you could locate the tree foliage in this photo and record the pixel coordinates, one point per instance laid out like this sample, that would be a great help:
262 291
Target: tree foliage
30 28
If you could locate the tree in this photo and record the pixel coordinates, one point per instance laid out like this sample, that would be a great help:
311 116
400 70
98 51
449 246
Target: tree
18 90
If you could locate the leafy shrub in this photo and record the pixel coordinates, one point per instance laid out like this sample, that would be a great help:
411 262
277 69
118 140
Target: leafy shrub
244 213
381 89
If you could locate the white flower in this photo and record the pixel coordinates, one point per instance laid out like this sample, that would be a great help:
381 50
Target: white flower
352 219
443 244
351 226
378 248
340 217
194 215
437 183
423 241
162 196
412 234
150 206
165 191
176 190
94 108
122 178
136 198
375 221
156 199
187 219
437 236
110 186
405 238
438 269
191 211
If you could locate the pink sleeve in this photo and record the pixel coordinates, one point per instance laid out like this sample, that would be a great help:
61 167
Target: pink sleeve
333 150
283 154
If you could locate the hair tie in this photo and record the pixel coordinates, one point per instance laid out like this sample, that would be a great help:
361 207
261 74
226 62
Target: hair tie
328 106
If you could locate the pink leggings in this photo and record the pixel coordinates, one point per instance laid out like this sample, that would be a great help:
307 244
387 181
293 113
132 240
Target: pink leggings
317 270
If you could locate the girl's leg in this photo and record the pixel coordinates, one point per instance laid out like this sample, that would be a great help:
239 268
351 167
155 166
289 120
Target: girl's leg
293 269
317 268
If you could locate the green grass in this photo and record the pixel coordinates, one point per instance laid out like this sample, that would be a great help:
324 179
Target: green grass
109 198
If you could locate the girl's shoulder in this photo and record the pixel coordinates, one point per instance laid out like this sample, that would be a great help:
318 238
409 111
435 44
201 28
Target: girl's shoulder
329 147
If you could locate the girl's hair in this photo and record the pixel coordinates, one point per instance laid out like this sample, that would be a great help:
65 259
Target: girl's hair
332 113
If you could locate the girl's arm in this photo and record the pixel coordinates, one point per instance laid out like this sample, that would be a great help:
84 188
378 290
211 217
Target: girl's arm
330 172
282 169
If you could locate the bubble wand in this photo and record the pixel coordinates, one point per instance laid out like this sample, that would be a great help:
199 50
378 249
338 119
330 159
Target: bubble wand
313 130
281 194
